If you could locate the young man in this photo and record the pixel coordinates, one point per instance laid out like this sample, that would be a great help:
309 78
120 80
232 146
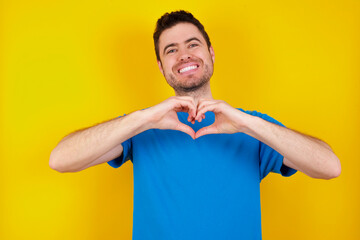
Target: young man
197 162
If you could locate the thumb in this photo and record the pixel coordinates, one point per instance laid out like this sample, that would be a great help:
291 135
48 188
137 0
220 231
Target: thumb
206 130
186 129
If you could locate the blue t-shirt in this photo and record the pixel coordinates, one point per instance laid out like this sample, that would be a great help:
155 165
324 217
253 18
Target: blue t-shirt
208 188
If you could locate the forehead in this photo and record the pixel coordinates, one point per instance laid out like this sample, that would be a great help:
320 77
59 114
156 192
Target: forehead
179 34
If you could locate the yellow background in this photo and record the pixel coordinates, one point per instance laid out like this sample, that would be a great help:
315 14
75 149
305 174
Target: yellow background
67 65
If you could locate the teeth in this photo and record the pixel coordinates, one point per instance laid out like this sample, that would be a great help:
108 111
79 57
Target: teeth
187 68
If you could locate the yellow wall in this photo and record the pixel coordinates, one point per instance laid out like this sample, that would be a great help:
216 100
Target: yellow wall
67 65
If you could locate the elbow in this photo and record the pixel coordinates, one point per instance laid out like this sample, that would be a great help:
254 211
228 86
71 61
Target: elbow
56 164
334 170
330 170
55 167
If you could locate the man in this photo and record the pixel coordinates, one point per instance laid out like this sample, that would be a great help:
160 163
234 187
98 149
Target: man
197 162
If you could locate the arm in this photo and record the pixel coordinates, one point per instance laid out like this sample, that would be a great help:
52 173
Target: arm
301 152
102 143
95 145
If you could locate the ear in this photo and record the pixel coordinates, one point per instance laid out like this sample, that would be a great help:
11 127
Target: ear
160 67
212 53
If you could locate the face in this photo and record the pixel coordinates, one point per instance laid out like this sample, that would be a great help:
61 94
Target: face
185 59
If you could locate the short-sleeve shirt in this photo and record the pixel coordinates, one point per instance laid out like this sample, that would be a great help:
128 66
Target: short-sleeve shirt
207 188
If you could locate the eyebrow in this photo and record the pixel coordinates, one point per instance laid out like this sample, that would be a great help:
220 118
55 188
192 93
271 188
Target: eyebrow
175 44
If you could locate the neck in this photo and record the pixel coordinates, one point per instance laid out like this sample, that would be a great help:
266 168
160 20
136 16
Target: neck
203 92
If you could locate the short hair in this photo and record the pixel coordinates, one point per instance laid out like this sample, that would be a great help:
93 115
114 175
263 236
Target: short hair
169 20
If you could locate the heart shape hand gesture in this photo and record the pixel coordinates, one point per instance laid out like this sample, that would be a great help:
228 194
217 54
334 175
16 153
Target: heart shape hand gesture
227 118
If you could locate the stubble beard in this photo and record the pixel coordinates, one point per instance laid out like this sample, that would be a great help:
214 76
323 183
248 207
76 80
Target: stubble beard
191 84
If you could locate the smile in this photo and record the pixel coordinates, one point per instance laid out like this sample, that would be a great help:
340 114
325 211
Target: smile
188 68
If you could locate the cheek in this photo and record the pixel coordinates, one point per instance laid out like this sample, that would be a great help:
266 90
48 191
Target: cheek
209 59
167 69
168 66
202 55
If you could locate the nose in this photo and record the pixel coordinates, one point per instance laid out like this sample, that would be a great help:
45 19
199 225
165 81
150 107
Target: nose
184 55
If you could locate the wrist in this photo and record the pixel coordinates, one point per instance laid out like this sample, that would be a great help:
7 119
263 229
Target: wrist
145 119
137 121
248 124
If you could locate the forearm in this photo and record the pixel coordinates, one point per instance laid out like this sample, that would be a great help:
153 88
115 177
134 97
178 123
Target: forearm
305 153
82 147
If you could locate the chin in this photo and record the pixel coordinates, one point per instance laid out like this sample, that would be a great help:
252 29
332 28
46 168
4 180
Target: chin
187 83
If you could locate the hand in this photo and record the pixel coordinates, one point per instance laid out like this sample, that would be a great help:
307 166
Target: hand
164 114
227 118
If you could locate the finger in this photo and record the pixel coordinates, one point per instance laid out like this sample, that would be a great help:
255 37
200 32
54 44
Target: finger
204 102
190 118
204 99
185 105
182 105
202 117
186 110
206 130
187 98
207 108
186 129
202 106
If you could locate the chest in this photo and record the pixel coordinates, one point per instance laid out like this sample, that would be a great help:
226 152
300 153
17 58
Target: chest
175 154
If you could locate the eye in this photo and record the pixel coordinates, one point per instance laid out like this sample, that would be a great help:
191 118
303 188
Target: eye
171 51
193 45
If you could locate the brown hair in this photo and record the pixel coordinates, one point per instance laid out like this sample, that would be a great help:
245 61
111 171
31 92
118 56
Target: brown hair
169 20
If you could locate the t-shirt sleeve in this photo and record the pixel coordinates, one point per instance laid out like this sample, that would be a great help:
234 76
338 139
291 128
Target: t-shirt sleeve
271 160
125 156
